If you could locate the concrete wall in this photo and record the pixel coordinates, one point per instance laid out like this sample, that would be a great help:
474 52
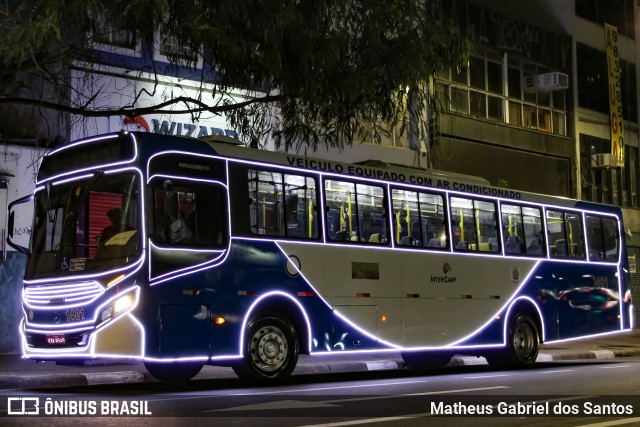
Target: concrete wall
11 273
19 165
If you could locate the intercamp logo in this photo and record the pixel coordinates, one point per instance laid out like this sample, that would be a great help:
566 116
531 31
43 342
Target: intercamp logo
23 406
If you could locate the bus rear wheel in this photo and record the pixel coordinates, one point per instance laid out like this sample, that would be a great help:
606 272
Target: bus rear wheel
173 372
426 359
523 344
270 350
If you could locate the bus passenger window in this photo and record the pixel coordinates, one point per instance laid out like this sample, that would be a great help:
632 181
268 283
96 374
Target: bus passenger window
340 209
464 228
355 212
474 225
512 229
611 237
282 205
432 220
565 235
533 235
521 230
556 230
485 213
602 234
372 221
419 219
575 236
189 214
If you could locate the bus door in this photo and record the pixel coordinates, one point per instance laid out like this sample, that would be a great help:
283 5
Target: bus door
189 238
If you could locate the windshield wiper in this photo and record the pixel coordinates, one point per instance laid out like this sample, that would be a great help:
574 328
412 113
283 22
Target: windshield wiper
84 195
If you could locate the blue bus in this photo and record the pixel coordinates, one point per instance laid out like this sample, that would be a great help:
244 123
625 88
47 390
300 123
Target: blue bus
182 252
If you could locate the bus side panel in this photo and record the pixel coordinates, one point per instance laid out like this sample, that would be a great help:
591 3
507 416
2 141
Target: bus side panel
587 297
422 299
191 323
257 280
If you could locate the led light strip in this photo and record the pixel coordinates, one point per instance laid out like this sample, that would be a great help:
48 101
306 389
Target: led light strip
173 274
135 289
136 265
247 316
93 167
29 352
39 297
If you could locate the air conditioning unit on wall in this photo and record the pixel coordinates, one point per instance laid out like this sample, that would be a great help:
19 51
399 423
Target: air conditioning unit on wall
603 161
553 81
547 82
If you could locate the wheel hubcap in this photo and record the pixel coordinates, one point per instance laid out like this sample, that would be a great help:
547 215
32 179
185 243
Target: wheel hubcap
269 348
524 341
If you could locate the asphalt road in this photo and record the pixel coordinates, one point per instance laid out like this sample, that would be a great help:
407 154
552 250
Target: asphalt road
587 393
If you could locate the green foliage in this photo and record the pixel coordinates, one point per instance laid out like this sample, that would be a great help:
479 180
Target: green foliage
326 71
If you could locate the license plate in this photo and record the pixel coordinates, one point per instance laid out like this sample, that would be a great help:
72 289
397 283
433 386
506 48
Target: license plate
56 339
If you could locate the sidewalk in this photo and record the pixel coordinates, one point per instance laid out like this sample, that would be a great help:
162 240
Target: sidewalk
16 373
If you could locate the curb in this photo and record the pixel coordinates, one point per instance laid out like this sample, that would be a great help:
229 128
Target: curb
17 382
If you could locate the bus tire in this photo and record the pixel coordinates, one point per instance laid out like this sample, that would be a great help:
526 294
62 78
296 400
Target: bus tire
426 359
523 344
270 350
173 372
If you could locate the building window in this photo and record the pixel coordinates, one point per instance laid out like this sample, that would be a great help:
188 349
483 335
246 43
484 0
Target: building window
593 84
613 185
170 49
478 90
108 38
619 13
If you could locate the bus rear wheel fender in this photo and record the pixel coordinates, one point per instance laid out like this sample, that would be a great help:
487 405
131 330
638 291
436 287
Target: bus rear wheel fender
522 343
270 350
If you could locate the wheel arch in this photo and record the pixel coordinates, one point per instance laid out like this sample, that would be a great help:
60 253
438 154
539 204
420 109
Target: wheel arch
529 306
285 306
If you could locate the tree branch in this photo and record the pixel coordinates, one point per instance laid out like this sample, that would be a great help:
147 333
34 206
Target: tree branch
158 108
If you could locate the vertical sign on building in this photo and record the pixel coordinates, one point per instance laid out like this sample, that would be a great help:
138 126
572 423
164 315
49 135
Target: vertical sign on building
615 93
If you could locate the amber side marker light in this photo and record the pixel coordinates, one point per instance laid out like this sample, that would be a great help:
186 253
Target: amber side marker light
219 320
116 280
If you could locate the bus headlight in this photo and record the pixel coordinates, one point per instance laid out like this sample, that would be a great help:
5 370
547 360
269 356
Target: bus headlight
123 303
118 305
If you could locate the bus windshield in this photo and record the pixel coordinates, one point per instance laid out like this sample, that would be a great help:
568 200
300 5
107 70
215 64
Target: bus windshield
87 225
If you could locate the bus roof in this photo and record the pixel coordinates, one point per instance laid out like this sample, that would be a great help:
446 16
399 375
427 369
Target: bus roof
377 169
231 147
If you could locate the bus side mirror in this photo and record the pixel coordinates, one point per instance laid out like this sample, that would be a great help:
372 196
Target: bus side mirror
12 220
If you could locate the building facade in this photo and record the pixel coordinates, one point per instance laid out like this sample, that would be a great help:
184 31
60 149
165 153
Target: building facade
530 111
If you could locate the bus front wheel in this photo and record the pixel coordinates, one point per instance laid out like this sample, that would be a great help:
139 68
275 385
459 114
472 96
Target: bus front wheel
270 350
523 344
173 372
